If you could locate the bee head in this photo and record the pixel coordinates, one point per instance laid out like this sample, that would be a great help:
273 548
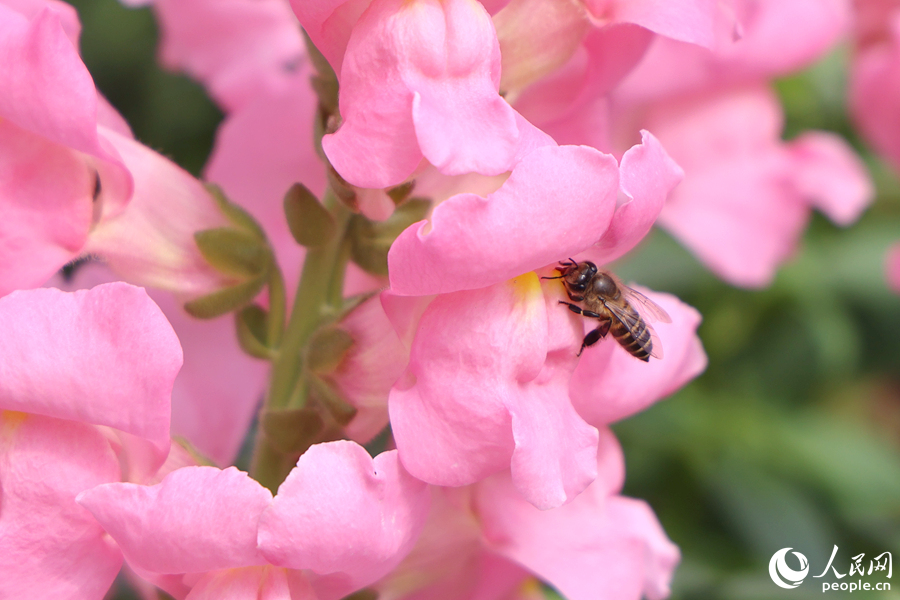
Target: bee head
577 275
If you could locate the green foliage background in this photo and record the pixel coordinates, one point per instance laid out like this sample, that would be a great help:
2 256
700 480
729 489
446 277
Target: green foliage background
792 436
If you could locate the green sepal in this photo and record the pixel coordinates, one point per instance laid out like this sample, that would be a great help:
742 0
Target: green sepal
341 410
292 431
239 217
252 328
310 223
234 252
370 241
326 349
226 300
399 193
345 192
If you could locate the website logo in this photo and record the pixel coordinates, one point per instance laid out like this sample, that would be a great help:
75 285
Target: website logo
782 574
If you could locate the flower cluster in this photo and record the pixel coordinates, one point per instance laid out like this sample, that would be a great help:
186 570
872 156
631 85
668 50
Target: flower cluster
389 200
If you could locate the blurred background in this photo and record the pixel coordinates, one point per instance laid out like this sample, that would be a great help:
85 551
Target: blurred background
792 436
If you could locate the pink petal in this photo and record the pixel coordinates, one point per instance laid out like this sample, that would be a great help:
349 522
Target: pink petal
49 546
831 176
376 145
610 384
596 546
740 208
683 20
237 49
536 218
369 370
47 89
893 268
756 41
570 104
874 88
647 177
555 456
449 412
197 519
105 356
218 390
452 64
46 197
251 583
144 244
329 24
404 96
345 516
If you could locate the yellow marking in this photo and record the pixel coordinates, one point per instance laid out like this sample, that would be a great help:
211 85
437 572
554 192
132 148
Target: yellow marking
526 287
10 421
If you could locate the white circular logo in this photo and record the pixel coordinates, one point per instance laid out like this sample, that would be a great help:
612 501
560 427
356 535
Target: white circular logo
783 575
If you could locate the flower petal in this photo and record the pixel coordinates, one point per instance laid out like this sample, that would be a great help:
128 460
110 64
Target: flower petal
648 174
49 546
596 546
105 356
197 519
472 353
831 176
610 384
345 516
556 202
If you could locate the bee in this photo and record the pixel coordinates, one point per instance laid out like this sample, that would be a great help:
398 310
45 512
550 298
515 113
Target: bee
613 303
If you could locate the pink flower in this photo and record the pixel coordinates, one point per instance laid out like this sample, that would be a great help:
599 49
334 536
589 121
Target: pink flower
238 49
874 76
339 522
85 387
76 182
51 155
747 196
485 541
492 354
418 80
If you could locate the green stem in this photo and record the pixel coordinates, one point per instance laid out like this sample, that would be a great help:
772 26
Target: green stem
319 297
277 306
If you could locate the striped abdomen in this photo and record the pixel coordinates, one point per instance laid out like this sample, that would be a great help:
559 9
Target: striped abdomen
631 331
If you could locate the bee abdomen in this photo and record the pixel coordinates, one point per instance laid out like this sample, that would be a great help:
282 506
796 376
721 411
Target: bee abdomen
635 339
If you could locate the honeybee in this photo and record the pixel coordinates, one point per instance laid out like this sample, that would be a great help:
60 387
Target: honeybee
614 304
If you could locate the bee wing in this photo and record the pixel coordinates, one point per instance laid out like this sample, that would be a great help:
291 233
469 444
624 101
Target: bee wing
628 319
649 309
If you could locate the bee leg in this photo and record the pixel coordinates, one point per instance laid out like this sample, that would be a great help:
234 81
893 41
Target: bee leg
595 335
573 307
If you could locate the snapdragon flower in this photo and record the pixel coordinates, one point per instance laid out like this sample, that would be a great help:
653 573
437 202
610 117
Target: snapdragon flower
85 385
486 541
491 351
340 521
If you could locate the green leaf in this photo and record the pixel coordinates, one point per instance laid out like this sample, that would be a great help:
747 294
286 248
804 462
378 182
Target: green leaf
342 411
401 192
310 223
370 241
292 431
251 325
225 300
234 213
326 348
234 252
